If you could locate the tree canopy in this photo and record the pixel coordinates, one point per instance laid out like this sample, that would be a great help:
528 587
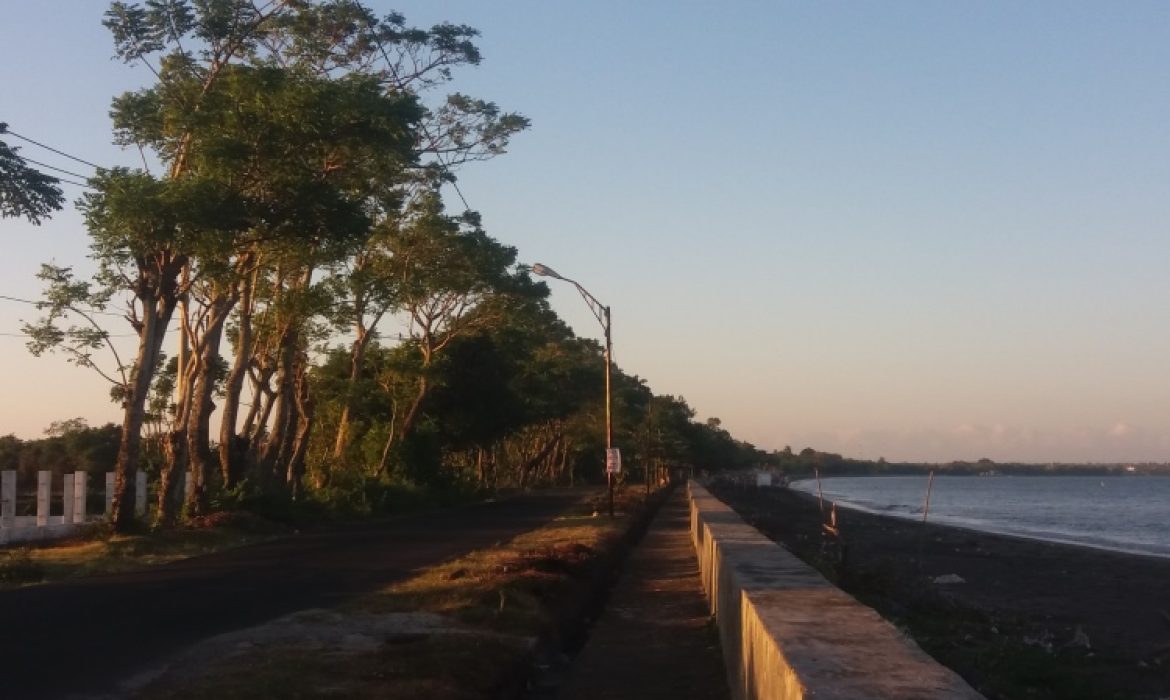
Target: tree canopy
25 192
295 266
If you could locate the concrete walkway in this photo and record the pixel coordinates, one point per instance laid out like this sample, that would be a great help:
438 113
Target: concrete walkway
653 640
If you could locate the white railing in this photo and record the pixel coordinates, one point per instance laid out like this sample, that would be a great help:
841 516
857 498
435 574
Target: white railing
42 526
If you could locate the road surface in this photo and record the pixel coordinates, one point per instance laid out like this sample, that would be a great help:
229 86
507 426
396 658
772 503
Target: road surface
86 635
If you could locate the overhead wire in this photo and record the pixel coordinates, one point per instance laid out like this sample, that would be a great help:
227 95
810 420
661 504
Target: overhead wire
53 167
5 297
50 148
426 132
67 181
108 335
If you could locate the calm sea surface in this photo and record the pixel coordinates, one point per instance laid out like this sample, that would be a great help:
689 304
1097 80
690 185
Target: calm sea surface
1126 513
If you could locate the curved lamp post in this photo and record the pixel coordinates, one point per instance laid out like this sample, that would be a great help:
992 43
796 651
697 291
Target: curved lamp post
601 311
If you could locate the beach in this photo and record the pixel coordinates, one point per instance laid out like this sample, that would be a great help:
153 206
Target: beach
1017 618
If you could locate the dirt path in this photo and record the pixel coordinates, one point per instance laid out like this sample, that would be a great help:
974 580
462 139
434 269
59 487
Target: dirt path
84 636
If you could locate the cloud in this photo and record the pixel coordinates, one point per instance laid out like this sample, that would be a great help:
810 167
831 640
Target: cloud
1121 430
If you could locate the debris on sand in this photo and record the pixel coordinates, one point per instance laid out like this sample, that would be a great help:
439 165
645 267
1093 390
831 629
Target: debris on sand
948 579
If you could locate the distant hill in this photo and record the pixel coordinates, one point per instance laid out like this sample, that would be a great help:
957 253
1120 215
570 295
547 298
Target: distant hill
831 464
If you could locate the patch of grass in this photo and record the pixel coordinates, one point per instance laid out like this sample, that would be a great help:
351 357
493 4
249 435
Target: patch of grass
506 588
108 553
17 568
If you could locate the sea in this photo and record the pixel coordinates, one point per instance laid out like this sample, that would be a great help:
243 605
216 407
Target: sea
1121 513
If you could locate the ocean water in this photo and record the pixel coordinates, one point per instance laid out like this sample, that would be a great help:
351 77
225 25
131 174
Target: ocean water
1123 513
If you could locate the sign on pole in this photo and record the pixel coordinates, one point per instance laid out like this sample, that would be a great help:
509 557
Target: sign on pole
613 461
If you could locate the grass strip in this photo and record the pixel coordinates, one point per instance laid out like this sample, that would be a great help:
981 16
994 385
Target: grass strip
106 553
463 630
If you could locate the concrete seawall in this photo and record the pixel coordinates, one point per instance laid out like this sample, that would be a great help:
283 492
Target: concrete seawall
789 634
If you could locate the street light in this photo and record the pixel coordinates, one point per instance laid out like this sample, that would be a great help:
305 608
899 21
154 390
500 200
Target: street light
601 311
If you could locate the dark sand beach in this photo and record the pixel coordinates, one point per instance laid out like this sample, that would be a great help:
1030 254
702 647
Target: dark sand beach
1029 619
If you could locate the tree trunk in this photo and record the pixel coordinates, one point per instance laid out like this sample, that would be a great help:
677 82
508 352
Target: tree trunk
543 452
305 410
230 453
356 363
173 444
391 432
200 460
412 414
157 295
285 425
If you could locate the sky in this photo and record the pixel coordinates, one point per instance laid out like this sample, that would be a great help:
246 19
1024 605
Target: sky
918 231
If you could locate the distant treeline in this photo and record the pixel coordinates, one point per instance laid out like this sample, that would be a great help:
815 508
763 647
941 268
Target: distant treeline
831 464
68 446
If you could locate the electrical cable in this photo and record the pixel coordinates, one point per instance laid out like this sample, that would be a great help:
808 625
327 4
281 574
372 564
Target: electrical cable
66 180
108 335
446 168
39 303
53 167
50 148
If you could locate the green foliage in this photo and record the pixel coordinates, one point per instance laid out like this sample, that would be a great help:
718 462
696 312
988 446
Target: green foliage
474 401
69 445
68 297
24 191
305 155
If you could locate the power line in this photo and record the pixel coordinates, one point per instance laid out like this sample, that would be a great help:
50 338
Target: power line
50 148
108 335
66 180
39 303
446 168
53 167
456 186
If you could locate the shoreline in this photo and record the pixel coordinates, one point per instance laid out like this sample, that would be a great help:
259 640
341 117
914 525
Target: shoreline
808 487
1017 617
943 521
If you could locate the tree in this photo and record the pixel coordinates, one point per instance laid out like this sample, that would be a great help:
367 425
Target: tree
145 229
262 146
447 272
24 191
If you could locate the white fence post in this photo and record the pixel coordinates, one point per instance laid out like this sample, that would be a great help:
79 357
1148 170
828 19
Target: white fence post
109 494
67 509
8 498
44 488
140 493
80 482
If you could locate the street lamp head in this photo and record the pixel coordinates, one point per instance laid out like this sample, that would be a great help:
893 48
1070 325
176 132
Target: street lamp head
545 271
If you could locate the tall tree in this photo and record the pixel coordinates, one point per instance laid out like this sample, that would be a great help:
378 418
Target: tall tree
446 270
292 136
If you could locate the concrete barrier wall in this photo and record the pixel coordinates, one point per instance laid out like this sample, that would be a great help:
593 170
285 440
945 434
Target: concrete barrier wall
789 634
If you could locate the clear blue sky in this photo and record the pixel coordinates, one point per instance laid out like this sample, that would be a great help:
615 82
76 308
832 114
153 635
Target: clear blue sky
914 230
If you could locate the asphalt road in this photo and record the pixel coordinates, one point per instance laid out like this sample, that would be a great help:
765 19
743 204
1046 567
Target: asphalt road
86 635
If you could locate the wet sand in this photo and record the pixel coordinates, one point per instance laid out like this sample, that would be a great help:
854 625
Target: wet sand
1029 619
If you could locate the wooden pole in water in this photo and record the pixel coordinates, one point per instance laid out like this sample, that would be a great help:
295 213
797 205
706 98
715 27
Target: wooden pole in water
929 486
820 498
